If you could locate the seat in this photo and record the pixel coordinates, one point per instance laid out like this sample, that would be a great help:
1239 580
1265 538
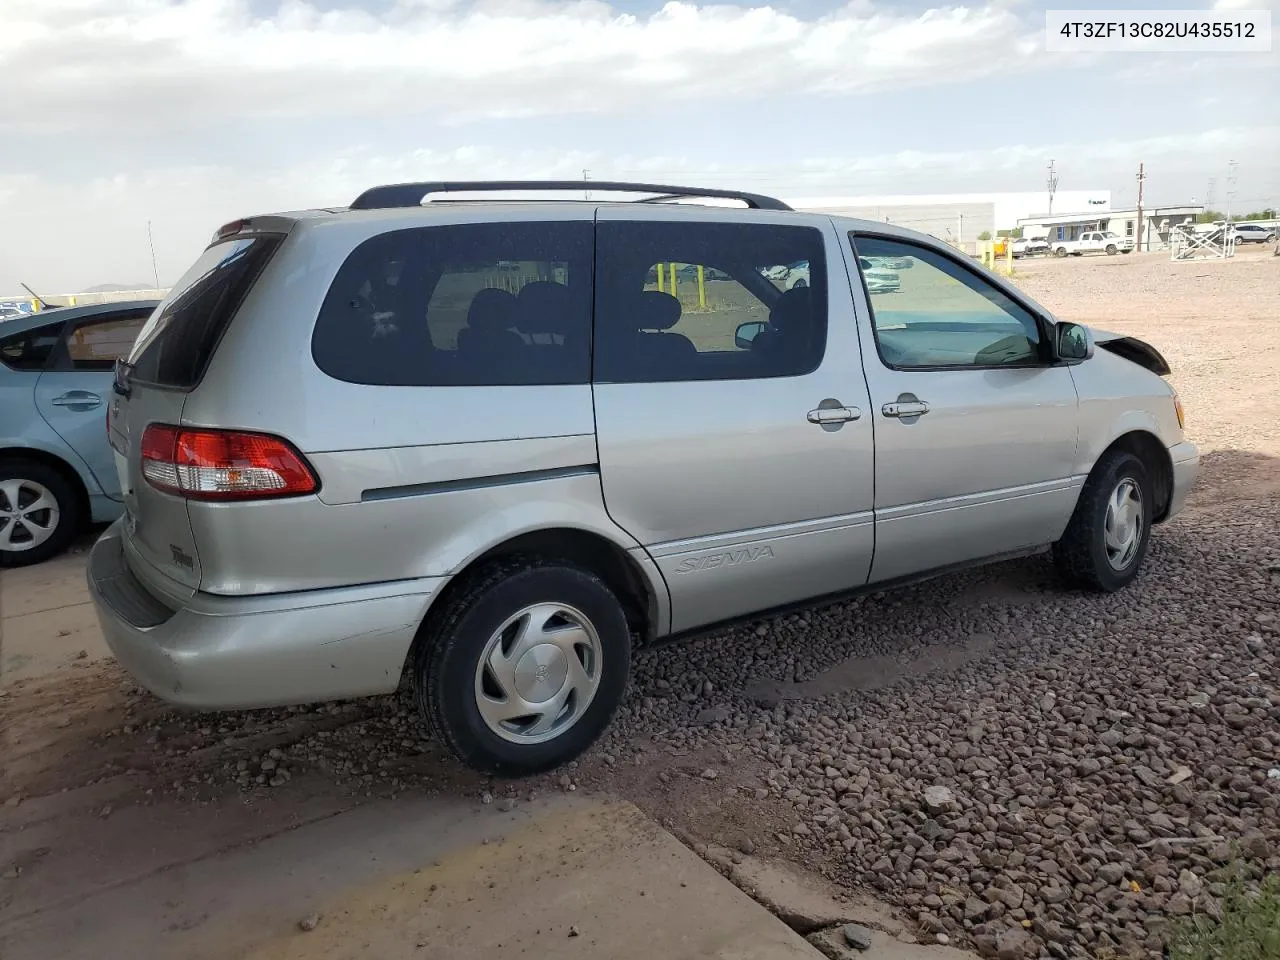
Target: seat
488 333
545 314
655 345
784 346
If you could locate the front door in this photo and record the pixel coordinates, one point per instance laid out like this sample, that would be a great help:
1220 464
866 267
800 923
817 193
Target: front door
73 392
732 415
975 425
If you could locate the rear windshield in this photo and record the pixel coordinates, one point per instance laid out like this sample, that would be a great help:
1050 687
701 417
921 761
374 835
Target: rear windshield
175 344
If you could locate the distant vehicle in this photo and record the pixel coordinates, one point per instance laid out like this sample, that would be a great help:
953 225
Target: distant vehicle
57 471
1252 233
1095 242
891 263
1029 247
879 280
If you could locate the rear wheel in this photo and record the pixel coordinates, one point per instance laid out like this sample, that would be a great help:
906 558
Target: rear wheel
1060 252
525 666
1107 537
39 512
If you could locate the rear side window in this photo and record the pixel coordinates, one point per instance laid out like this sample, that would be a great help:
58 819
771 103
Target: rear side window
30 350
175 344
481 304
98 344
708 301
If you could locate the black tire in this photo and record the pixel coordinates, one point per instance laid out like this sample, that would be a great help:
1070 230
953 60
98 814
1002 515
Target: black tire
70 513
1081 555
446 666
1060 252
800 284
1112 249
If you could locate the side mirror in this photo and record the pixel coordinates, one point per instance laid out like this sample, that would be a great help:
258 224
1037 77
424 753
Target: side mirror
746 334
1074 342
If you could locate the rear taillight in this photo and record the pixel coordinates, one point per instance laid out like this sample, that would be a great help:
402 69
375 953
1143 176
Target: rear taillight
223 464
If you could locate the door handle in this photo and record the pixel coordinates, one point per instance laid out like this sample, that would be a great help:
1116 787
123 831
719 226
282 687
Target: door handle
904 409
833 415
78 398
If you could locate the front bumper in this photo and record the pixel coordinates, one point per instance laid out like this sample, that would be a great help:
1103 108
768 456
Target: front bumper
218 652
1186 466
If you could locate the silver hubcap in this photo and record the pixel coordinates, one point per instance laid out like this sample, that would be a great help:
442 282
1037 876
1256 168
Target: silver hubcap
28 514
538 673
1123 531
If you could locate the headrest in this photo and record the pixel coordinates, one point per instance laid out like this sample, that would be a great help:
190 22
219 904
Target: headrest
543 307
791 309
656 311
492 310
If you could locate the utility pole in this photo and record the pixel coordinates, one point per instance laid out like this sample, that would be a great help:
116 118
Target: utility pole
1231 187
1142 180
1052 183
1209 192
586 175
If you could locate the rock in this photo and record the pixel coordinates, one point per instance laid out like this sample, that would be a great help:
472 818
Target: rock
486 798
975 909
711 715
747 846
709 774
856 936
1087 767
574 932
12 873
309 922
1198 701
1111 738
1189 884
13 801
938 799
1112 872
1052 895
1179 904
1180 774
1014 944
506 804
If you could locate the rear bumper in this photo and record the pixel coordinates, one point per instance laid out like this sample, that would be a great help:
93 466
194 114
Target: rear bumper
242 652
1186 466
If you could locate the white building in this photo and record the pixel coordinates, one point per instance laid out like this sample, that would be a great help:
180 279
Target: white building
1159 224
958 217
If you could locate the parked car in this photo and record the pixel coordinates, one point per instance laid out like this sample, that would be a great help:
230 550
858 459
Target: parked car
1029 247
1097 241
1252 233
878 279
57 472
310 515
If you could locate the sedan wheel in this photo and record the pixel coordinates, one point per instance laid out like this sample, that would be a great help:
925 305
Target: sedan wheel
39 513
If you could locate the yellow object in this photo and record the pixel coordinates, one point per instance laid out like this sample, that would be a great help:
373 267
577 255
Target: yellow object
673 281
702 287
661 269
1177 406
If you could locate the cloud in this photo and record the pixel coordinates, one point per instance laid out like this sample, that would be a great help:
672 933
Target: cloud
187 203
84 63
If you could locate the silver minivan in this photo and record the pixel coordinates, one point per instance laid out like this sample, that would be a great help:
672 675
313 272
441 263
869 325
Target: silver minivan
485 447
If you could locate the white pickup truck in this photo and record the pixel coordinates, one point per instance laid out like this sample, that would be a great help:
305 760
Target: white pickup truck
1095 242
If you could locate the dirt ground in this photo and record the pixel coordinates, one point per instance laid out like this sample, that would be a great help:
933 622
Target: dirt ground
94 770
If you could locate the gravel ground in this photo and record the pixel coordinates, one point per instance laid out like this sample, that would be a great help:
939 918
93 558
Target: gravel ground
1023 768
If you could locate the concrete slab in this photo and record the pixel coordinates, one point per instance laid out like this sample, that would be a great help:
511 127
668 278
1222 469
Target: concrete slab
425 877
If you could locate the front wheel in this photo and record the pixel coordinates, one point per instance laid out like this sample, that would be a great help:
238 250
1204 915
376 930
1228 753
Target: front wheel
1107 537
525 667
1111 249
39 513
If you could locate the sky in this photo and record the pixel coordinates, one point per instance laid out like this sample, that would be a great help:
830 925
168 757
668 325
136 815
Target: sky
124 117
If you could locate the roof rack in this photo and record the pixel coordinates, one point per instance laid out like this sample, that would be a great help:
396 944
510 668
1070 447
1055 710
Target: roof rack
412 194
